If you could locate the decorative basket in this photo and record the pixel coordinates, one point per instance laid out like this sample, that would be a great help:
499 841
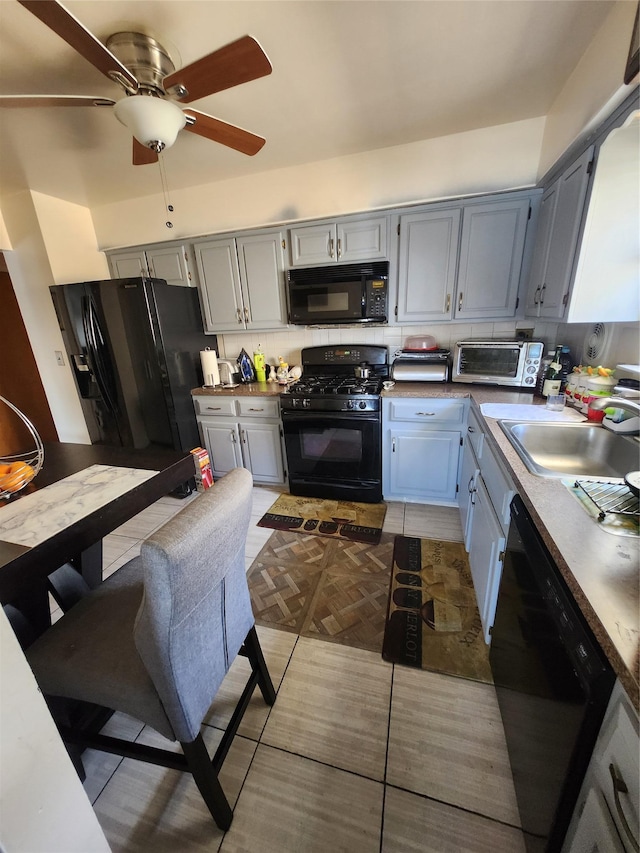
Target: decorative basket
18 469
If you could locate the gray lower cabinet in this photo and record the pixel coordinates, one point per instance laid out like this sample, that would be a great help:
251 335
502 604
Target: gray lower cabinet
242 432
241 282
463 261
561 213
343 241
421 449
171 263
486 492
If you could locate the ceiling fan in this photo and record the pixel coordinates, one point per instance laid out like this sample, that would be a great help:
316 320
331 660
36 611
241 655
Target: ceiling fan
144 69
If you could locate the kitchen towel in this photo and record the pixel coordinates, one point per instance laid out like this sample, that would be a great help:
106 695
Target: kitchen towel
432 616
210 371
525 412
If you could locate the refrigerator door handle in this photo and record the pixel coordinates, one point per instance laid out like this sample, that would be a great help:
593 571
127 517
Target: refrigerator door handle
91 331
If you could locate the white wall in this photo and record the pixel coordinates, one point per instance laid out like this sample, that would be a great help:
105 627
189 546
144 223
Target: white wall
43 806
53 242
596 83
485 160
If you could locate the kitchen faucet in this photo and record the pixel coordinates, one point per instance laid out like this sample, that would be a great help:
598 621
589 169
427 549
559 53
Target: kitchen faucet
630 426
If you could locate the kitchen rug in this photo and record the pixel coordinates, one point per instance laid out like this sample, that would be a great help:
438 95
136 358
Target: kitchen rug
325 588
356 522
432 617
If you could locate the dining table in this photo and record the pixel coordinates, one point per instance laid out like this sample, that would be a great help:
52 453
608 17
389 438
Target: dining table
51 531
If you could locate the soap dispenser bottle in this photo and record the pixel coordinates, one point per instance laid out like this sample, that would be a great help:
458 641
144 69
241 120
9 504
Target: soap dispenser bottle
259 364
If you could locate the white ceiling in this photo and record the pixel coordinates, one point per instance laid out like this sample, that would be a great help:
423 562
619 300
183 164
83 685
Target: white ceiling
347 77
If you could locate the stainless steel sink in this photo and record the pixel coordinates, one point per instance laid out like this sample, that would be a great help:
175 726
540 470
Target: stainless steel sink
555 449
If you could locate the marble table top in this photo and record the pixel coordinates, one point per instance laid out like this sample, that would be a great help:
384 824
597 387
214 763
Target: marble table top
36 517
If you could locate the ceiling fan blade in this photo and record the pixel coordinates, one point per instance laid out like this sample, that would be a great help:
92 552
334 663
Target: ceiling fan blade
143 155
236 63
54 101
224 133
64 24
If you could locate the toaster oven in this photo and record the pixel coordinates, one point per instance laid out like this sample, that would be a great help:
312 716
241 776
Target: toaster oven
514 364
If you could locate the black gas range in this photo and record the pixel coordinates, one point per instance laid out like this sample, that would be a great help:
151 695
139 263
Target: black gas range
332 423
329 383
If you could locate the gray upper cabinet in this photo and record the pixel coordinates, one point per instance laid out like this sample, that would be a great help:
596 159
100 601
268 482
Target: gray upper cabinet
345 241
491 253
462 262
242 282
561 213
170 263
427 264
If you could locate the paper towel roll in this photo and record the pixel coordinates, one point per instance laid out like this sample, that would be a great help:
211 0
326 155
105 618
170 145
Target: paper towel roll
210 372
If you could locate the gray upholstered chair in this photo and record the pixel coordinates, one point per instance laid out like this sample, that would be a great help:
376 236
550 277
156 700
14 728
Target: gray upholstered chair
156 639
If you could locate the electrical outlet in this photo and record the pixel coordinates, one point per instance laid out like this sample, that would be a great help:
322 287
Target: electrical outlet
59 358
524 334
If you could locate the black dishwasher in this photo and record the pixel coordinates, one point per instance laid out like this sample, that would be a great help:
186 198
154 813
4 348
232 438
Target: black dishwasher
552 682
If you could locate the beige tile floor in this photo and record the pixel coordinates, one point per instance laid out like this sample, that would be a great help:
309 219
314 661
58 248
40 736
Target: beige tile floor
355 755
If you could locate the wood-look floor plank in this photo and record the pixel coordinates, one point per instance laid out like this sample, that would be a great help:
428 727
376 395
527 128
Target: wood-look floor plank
446 741
333 706
416 824
290 804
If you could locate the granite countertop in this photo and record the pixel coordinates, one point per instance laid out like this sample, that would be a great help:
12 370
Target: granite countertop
600 569
253 389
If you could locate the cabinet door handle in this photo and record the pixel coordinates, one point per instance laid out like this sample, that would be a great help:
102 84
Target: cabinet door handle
426 414
213 408
447 304
256 410
460 302
470 429
243 436
331 247
246 314
239 315
232 435
339 247
536 296
393 445
544 287
620 787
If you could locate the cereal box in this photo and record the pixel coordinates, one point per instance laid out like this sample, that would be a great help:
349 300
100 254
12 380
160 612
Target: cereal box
203 475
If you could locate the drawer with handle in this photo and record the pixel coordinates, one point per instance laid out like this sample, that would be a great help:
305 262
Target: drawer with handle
428 410
258 407
214 406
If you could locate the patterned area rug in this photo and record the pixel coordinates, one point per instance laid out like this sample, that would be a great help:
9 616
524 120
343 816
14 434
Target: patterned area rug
433 620
356 522
330 589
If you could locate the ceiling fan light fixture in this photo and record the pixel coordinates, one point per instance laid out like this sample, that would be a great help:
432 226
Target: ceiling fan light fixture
153 121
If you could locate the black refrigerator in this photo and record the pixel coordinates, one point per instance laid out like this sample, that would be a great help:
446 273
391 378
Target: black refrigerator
134 348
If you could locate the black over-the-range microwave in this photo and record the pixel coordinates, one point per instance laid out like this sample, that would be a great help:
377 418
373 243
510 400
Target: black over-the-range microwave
348 293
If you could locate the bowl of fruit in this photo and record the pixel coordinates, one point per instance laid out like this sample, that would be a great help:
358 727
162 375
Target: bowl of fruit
19 469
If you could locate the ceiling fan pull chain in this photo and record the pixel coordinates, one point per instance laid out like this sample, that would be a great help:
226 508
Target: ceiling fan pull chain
165 189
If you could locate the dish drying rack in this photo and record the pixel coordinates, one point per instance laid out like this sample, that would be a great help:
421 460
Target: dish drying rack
611 498
34 458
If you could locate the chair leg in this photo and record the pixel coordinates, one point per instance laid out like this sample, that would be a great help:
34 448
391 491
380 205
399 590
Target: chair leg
207 781
259 666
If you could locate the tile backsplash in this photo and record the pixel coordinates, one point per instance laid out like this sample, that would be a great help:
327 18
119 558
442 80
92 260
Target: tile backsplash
289 342
622 339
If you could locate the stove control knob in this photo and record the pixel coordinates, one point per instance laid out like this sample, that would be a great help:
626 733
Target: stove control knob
306 404
363 404
350 404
